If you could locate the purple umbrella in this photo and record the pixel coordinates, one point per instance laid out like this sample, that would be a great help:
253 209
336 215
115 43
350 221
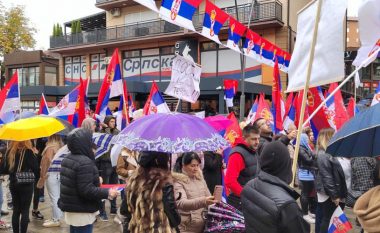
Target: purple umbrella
172 133
218 122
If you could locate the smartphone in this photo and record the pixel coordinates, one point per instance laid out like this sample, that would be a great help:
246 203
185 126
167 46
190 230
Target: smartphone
218 192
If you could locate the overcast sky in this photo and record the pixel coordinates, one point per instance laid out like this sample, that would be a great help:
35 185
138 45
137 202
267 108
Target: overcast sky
44 13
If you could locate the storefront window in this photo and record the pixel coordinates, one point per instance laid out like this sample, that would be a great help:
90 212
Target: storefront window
376 69
50 76
75 67
98 67
28 76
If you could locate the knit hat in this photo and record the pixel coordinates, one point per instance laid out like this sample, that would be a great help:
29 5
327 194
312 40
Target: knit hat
367 209
275 160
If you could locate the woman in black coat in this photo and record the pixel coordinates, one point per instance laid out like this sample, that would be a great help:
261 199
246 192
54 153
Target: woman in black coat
212 170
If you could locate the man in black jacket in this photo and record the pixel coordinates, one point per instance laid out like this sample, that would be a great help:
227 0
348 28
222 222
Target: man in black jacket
81 196
269 203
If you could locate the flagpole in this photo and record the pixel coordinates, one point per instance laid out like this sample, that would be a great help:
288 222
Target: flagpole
305 91
354 99
340 86
176 107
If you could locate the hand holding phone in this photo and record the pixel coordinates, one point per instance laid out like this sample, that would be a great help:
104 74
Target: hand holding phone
218 193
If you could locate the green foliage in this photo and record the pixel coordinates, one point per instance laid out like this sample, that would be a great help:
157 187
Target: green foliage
15 31
78 27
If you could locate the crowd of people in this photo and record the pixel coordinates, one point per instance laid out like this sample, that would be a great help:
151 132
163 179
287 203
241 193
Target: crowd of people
161 196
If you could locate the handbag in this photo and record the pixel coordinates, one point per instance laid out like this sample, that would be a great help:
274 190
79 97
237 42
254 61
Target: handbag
24 177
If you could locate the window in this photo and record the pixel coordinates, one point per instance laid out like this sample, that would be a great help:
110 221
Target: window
150 52
208 46
132 53
30 106
28 76
376 69
167 50
98 67
50 76
75 67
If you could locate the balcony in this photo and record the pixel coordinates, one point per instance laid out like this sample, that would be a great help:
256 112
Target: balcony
109 4
268 14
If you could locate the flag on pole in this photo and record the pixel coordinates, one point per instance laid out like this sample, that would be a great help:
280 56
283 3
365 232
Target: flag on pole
289 102
252 113
339 222
235 32
151 4
43 109
131 106
112 85
263 111
376 96
298 103
155 102
352 109
213 21
230 89
369 32
79 115
290 116
179 12
329 45
278 105
10 100
319 121
122 116
233 131
335 106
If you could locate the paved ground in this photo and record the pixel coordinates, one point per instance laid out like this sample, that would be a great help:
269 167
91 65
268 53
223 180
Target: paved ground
35 226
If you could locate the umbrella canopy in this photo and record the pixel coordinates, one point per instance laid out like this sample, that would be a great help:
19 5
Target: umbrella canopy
172 133
68 125
359 137
30 128
218 122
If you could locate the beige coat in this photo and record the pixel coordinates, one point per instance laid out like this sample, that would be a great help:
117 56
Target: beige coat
47 156
367 209
190 194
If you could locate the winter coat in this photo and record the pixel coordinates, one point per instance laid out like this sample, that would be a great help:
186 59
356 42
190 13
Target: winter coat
191 194
269 206
367 209
330 177
212 170
306 160
80 192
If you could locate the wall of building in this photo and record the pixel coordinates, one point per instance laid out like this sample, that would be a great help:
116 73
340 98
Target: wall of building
294 8
353 40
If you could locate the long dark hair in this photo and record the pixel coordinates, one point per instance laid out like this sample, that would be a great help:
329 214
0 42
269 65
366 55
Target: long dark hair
185 159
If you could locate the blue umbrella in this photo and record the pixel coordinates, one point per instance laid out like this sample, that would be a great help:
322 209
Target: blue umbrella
359 137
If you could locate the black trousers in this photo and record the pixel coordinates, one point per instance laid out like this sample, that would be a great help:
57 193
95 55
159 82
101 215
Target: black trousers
308 200
109 176
22 198
328 207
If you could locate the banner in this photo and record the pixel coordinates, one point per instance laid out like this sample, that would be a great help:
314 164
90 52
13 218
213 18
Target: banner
185 80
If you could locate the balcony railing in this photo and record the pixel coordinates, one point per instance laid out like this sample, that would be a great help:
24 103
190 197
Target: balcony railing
261 12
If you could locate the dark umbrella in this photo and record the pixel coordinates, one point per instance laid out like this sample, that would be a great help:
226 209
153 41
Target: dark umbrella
359 137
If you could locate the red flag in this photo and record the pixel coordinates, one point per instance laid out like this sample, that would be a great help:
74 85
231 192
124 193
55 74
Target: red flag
80 108
341 115
263 111
314 99
44 110
233 131
288 103
351 107
278 107
298 104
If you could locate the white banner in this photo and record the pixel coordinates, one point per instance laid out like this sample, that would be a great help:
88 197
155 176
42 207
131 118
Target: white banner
328 62
184 83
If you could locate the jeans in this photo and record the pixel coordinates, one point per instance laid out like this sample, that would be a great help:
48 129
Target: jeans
53 183
82 229
308 200
318 217
22 198
328 207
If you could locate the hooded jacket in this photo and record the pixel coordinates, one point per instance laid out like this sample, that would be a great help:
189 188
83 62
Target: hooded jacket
80 192
191 196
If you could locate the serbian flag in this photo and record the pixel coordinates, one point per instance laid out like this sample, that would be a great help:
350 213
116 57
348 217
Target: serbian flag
298 104
122 116
112 85
233 131
352 109
278 105
155 102
9 100
320 120
289 102
263 111
131 105
79 115
290 115
339 222
252 44
213 21
230 89
235 32
179 12
43 110
376 96
252 113
335 106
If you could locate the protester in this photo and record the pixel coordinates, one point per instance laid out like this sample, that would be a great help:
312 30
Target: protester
192 194
80 196
53 144
330 180
212 170
292 130
310 134
3 149
242 165
150 196
269 203
266 133
38 193
20 158
89 123
107 172
126 163
306 170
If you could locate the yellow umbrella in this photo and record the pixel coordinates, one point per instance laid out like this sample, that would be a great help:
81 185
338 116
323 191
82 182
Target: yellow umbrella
30 128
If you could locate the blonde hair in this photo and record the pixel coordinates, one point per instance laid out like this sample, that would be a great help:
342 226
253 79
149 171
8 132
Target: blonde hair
55 139
16 147
324 137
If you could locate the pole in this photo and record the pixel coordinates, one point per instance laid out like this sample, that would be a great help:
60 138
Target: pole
354 98
305 90
244 62
340 85
176 107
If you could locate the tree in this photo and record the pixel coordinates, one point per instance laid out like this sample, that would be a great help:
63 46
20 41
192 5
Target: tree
57 30
54 31
79 29
73 27
15 31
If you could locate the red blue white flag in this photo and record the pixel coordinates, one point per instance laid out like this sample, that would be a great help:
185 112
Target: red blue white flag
213 21
376 96
235 32
339 222
252 113
335 106
263 111
10 99
131 105
43 109
155 102
320 120
278 105
122 116
79 115
179 12
230 89
290 116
